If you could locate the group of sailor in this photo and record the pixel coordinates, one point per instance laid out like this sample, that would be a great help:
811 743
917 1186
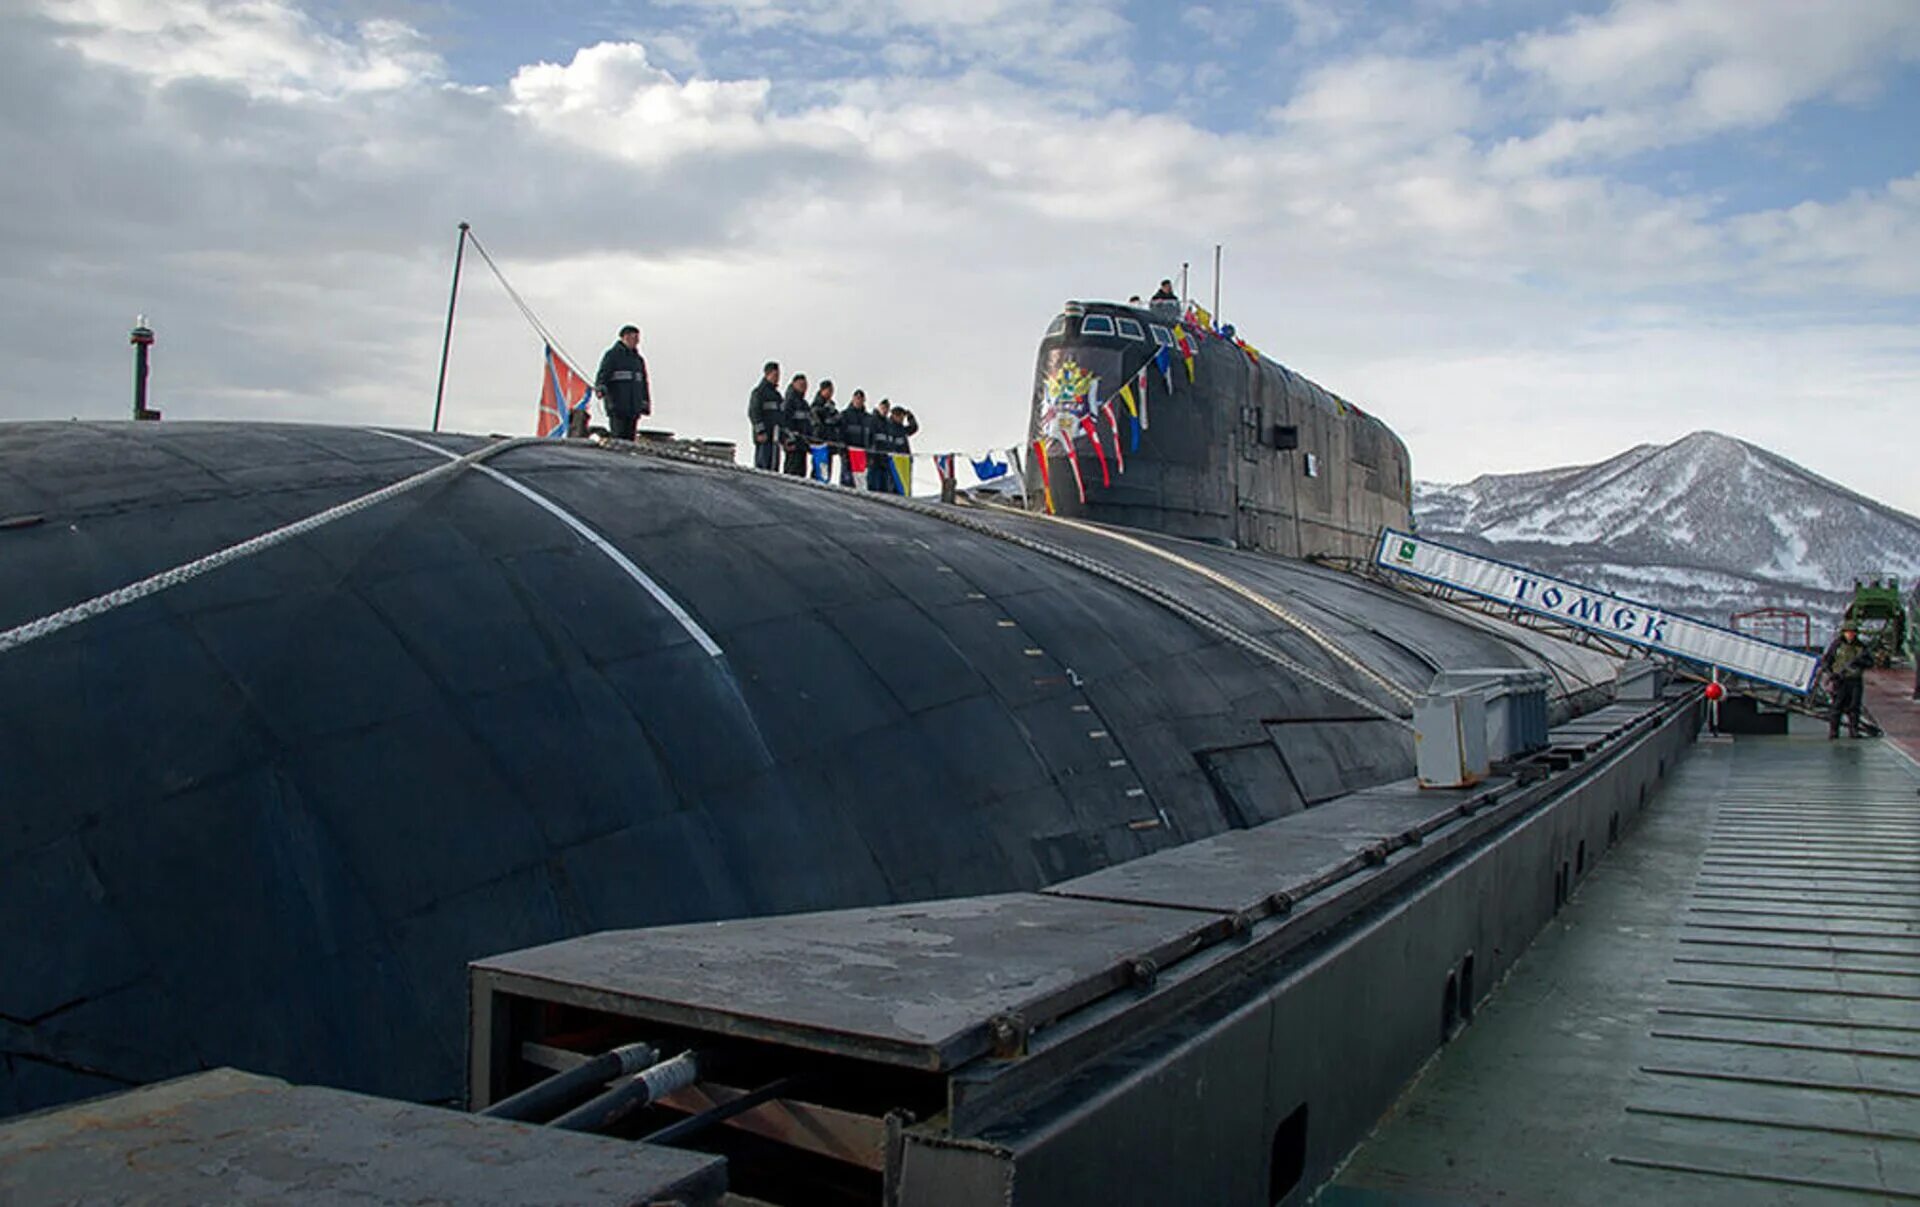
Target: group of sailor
787 429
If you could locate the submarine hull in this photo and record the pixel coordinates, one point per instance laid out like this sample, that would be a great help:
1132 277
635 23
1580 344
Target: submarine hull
265 815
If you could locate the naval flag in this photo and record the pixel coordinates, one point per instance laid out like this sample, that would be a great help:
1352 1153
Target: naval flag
562 392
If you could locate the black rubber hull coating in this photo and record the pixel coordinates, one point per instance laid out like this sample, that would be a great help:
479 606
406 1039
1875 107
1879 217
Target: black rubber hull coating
265 818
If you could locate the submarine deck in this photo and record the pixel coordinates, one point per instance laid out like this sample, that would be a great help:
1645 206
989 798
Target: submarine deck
1728 1011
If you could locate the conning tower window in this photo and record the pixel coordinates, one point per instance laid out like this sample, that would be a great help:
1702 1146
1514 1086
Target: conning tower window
1096 324
1057 327
1131 328
1162 336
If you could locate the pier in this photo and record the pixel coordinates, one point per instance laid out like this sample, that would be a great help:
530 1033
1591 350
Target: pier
1727 1011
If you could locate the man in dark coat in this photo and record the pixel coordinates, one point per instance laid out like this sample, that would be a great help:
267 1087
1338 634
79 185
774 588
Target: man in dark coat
905 427
826 428
796 427
765 408
621 384
880 449
1846 661
856 428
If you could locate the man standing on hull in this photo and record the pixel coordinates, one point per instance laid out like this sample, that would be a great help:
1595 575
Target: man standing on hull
856 429
880 446
1846 661
765 408
796 427
826 430
621 384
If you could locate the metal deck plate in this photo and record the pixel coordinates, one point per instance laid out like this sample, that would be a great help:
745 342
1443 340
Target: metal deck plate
907 984
1729 1012
229 1137
1238 870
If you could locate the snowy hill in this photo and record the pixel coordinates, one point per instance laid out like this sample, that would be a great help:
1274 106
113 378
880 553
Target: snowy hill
1708 525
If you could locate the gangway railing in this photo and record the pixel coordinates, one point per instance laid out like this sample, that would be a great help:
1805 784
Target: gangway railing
1587 616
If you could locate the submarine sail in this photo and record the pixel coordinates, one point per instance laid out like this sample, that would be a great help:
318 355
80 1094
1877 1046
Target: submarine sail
1237 450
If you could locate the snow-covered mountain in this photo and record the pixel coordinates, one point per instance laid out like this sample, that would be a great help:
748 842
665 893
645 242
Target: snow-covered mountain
1707 526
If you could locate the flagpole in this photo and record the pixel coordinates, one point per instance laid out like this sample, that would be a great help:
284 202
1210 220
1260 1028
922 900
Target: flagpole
1216 285
446 340
1183 284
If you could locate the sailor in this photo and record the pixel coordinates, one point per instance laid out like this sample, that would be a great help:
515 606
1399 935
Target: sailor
796 427
764 412
880 449
856 427
1165 293
1845 661
622 384
904 428
826 427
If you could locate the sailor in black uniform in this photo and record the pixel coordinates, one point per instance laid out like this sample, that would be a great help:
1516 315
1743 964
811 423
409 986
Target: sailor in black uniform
884 441
856 428
906 427
622 384
826 425
764 411
796 427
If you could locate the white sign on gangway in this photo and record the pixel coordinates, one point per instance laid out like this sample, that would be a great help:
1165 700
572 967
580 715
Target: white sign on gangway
1621 619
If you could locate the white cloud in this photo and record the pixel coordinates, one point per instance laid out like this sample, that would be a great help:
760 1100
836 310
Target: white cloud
1659 73
1030 35
1315 22
1221 26
1376 105
611 100
270 49
1869 240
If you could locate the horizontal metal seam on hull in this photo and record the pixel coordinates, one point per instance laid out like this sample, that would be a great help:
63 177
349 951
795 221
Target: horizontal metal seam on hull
100 605
586 533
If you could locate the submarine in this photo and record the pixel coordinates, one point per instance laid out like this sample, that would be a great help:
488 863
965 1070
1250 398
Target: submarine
406 764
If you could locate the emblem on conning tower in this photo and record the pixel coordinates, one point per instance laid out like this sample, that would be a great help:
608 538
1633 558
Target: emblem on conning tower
1065 397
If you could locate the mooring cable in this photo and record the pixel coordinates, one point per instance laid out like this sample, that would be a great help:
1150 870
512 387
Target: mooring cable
33 630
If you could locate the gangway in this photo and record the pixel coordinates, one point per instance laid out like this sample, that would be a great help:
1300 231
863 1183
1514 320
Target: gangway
1773 673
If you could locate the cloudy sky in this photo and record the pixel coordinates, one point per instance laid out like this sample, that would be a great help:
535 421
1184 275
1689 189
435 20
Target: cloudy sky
1523 232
